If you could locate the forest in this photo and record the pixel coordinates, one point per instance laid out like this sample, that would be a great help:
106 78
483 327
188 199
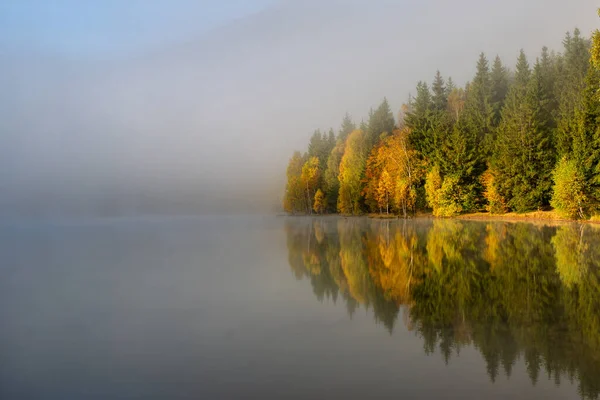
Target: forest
511 140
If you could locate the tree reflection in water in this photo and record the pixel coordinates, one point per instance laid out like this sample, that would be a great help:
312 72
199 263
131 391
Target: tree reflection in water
510 290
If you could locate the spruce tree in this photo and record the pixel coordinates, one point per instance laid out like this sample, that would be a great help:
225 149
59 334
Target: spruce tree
571 71
418 119
478 112
347 127
586 142
524 157
381 121
499 88
439 94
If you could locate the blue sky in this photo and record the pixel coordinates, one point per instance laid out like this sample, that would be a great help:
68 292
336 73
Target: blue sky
105 28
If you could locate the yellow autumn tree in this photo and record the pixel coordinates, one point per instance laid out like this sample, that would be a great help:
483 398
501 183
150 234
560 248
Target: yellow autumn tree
495 202
294 200
310 179
408 168
403 170
351 170
319 204
384 191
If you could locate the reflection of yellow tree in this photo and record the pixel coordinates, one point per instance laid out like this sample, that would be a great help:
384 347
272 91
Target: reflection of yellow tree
352 261
570 251
511 290
310 255
445 242
393 257
319 231
495 234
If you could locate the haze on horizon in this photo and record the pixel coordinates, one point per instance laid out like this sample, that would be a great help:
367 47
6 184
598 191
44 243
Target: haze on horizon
195 107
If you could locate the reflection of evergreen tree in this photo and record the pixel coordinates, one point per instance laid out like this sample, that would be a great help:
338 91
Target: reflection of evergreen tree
511 290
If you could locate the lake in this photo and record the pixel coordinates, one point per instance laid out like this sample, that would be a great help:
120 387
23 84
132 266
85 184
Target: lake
227 307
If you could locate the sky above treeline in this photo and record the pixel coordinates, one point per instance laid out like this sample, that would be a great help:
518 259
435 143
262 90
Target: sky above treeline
198 104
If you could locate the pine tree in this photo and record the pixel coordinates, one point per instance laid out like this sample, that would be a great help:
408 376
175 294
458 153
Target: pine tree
418 119
330 141
524 156
381 121
478 112
439 97
319 147
499 88
571 70
586 142
347 128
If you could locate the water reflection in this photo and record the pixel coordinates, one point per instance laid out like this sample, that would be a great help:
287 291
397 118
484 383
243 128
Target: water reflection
511 290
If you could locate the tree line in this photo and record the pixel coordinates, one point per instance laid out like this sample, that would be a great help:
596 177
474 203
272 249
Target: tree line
519 140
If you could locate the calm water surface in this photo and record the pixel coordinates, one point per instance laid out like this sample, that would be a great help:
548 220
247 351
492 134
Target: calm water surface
267 307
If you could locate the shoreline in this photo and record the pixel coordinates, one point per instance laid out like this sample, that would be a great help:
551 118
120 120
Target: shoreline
533 217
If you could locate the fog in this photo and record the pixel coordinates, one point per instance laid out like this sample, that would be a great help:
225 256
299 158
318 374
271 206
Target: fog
207 124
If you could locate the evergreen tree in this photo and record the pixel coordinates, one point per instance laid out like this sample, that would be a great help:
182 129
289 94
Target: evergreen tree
439 97
330 141
450 86
571 70
524 157
347 127
418 119
499 88
319 147
381 121
478 112
586 142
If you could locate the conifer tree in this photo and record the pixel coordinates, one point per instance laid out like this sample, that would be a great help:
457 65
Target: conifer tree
439 97
499 88
571 71
347 127
478 112
418 119
524 156
381 121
